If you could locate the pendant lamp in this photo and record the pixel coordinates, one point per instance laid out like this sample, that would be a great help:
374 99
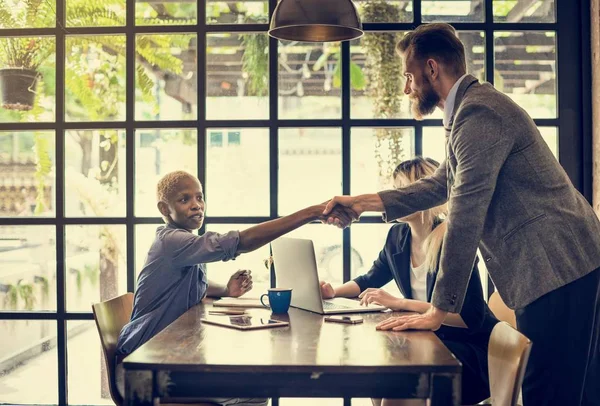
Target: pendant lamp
315 21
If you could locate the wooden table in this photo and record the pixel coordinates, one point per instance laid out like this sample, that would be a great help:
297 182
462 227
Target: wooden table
310 358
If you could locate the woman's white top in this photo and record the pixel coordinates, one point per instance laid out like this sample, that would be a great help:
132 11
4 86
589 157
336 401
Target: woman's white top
418 281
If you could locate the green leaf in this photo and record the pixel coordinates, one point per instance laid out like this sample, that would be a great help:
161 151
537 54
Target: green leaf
357 77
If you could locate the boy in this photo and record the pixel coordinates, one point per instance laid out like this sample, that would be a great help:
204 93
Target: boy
174 276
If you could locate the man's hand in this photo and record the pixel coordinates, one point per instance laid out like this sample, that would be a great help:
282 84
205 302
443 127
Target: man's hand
381 297
346 201
327 291
430 320
340 216
239 283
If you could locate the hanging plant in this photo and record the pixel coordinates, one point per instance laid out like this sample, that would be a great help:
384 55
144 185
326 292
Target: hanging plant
255 60
383 69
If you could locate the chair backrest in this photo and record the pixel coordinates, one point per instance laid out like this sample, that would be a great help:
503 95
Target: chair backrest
110 318
501 310
508 353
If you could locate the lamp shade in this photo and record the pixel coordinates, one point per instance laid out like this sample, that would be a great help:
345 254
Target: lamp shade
315 21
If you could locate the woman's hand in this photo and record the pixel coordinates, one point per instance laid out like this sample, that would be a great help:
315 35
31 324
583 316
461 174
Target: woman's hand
381 297
327 291
239 283
430 320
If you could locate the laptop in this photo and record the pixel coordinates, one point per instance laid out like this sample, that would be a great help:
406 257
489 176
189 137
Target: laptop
296 268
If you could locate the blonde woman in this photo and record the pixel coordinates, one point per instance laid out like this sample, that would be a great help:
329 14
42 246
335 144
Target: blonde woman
410 257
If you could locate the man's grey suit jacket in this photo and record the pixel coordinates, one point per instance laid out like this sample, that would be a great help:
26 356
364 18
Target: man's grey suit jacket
509 196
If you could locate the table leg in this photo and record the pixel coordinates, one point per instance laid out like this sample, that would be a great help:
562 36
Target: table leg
445 389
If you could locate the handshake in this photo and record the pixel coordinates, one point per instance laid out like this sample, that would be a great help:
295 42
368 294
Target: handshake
341 211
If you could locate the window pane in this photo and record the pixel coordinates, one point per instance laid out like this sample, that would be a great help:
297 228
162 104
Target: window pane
158 152
28 14
28 351
27 268
550 135
309 80
95 264
237 12
310 167
367 242
165 13
387 11
452 11
315 401
27 174
327 241
375 153
144 237
28 79
88 379
95 78
524 11
82 13
167 79
434 143
525 69
237 172
237 76
95 173
220 272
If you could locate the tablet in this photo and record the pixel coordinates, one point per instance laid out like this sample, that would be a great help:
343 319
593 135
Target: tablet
244 322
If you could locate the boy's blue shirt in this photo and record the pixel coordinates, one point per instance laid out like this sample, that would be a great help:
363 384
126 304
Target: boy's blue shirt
173 280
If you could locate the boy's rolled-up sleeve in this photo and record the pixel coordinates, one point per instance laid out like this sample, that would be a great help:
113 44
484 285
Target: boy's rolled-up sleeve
190 249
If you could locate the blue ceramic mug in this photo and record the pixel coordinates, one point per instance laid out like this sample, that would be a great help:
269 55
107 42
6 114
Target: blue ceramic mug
279 299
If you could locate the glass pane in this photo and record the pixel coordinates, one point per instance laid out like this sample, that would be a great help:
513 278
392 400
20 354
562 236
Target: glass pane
95 173
361 402
95 78
237 171
525 69
88 379
27 174
376 73
166 77
434 143
310 167
28 351
367 242
158 152
165 13
550 135
385 11
83 13
327 241
524 11
27 79
96 258
220 272
309 80
237 12
27 268
452 10
28 14
375 153
237 76
144 236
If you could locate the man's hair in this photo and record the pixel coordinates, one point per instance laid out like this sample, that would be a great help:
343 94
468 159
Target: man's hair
167 185
436 41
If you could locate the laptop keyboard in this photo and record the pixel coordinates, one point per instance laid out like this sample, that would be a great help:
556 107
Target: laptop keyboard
334 306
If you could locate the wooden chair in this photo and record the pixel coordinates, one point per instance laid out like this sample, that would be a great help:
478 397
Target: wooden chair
110 317
501 311
508 352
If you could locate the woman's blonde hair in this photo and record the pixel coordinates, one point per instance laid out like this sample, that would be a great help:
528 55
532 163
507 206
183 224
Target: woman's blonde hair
412 170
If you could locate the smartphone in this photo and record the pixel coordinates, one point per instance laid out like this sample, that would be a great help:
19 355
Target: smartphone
345 319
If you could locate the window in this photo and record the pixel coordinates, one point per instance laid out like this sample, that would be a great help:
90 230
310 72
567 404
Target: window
109 102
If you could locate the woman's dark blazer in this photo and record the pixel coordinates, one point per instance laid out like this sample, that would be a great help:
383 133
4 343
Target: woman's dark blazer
394 263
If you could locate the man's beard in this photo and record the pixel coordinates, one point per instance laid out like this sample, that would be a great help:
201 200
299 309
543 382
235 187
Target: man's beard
425 102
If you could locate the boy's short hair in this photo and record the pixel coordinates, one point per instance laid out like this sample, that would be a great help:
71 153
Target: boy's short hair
437 41
167 185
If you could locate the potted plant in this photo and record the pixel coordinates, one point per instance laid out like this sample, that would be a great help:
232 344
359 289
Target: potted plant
20 57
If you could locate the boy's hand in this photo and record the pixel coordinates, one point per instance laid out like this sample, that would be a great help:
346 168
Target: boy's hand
239 283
